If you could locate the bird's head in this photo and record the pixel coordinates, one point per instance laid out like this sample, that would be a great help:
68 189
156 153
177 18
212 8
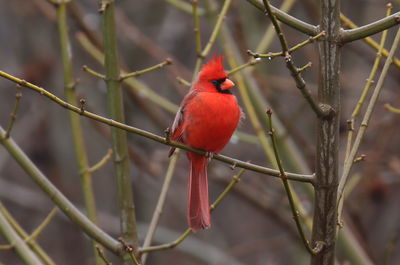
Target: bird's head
213 77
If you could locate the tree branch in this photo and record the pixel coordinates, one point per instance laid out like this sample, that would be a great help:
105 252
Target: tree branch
370 29
59 199
23 234
293 206
119 137
364 124
300 83
76 128
110 122
327 155
160 204
17 242
288 19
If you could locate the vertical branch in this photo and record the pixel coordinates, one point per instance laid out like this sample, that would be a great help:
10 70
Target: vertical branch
213 37
292 202
367 116
119 137
196 26
325 211
79 145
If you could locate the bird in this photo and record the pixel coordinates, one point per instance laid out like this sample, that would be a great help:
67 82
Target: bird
206 120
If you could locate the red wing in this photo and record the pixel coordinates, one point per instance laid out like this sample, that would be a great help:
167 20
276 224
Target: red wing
178 127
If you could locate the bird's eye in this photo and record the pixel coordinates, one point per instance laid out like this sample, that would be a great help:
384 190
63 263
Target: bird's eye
218 82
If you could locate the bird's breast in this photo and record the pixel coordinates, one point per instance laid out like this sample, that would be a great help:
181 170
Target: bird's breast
211 119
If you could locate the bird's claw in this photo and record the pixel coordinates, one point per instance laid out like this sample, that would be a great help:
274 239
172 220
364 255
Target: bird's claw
209 155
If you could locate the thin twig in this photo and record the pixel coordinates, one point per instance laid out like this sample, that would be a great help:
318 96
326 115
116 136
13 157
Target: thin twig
367 117
133 83
243 66
93 72
18 243
288 19
350 131
293 207
6 247
23 234
392 109
13 115
229 187
35 234
300 83
368 84
269 34
102 161
368 40
183 81
271 55
130 250
160 204
213 37
149 69
110 122
100 251
184 6
235 180
168 245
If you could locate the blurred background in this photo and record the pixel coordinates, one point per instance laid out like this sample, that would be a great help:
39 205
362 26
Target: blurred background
253 225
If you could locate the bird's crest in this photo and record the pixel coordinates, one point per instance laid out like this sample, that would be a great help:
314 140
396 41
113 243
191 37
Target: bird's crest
213 69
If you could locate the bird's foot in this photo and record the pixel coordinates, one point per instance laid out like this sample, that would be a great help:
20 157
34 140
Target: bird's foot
209 155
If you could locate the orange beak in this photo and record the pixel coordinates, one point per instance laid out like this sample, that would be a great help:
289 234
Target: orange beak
227 84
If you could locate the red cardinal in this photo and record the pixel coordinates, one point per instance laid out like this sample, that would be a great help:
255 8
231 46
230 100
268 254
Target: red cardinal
206 120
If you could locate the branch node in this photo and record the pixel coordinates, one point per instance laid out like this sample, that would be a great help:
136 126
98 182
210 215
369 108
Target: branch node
327 111
82 102
127 248
360 158
103 7
168 61
350 125
102 255
167 133
201 55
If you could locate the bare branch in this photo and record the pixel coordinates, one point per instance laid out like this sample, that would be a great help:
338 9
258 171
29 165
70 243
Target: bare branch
225 159
288 19
370 29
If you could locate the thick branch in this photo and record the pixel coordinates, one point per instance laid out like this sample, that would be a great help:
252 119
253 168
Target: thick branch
59 199
327 163
119 137
300 83
76 128
370 29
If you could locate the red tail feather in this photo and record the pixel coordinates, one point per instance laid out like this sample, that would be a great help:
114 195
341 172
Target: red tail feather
198 208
